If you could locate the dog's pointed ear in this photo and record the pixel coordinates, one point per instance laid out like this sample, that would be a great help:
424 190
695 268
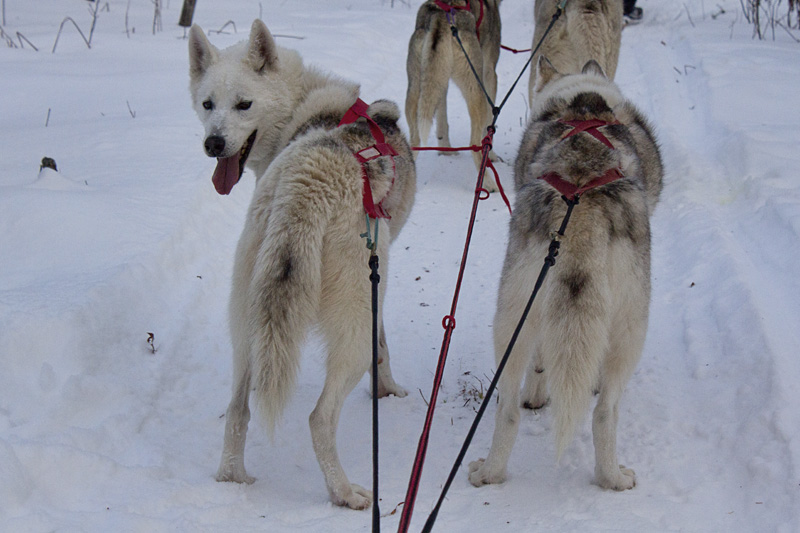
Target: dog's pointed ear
593 67
201 52
263 52
545 73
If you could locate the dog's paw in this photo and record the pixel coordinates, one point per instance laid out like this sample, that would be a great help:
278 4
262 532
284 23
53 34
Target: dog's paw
623 479
235 477
479 474
489 183
357 497
399 391
536 403
391 389
388 387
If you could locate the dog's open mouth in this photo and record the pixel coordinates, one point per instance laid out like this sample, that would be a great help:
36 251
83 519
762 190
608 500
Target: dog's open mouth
230 169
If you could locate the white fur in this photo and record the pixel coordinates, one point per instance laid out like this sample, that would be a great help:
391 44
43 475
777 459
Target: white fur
300 260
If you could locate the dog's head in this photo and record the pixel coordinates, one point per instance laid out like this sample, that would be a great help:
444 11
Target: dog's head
237 92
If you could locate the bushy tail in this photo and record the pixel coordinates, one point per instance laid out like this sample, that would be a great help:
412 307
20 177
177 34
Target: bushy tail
283 296
575 339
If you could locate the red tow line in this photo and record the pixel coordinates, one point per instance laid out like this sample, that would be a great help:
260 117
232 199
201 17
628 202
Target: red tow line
474 148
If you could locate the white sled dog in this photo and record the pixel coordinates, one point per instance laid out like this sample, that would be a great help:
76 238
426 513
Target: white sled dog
586 329
586 30
300 260
434 57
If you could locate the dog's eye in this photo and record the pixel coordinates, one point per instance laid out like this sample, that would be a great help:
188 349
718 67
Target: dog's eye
244 105
208 104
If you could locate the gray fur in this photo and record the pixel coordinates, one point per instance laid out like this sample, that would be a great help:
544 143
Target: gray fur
587 326
300 260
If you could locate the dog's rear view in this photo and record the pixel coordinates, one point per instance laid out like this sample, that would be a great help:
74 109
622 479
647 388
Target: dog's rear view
434 58
586 328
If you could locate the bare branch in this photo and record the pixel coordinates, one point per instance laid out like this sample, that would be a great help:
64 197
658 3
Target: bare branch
69 19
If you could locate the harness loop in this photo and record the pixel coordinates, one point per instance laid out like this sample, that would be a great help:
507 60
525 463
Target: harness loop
372 242
379 149
570 190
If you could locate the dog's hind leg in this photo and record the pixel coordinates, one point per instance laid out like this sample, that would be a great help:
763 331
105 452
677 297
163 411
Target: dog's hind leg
627 341
509 310
346 326
413 68
477 105
231 465
386 383
534 392
442 127
435 68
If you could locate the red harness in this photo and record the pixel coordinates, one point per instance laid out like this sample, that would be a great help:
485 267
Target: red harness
379 149
448 8
570 190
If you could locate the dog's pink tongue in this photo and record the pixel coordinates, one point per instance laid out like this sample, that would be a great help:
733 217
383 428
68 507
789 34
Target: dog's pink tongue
226 175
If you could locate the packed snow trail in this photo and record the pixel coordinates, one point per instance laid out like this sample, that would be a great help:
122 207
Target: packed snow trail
98 432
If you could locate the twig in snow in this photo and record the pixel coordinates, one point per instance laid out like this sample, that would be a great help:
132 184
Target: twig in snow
21 37
9 41
131 111
788 31
127 11
94 12
423 398
69 19
230 22
689 15
156 16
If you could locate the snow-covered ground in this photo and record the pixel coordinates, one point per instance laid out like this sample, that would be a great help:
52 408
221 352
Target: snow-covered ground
101 430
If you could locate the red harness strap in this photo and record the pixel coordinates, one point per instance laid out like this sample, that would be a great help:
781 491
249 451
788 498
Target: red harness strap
448 8
570 190
379 149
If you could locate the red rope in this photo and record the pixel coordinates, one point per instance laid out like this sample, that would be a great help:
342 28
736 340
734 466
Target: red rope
449 324
514 50
489 164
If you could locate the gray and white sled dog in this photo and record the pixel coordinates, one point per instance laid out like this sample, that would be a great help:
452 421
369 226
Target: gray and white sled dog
586 329
434 58
300 260
586 30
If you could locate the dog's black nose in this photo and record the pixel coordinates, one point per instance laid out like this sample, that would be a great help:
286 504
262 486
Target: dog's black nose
215 145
